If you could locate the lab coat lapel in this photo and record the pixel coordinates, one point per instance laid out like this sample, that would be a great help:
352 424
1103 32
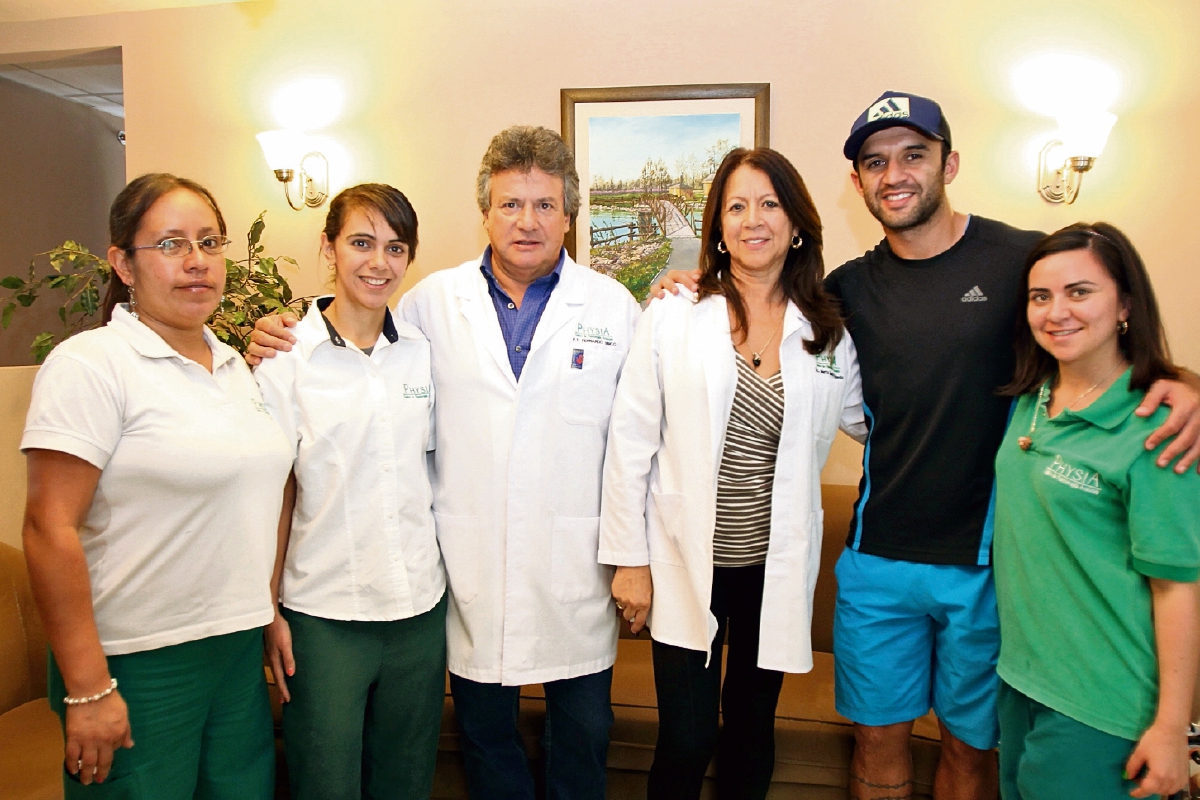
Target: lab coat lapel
476 306
563 306
792 461
798 385
720 372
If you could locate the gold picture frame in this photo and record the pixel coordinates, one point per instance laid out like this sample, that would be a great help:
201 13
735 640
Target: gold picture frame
639 218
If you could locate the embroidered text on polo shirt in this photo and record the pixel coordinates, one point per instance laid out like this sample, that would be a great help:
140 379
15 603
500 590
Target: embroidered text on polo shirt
1074 477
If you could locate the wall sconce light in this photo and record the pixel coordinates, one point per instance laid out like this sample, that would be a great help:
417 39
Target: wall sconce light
286 155
1082 136
1077 90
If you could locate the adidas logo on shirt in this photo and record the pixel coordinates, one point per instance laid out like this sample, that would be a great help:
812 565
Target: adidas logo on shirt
975 295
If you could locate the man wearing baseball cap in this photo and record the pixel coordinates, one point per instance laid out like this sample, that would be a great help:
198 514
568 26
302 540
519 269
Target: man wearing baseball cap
932 310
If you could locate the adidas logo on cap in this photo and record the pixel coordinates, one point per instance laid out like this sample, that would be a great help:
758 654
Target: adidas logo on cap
974 295
889 108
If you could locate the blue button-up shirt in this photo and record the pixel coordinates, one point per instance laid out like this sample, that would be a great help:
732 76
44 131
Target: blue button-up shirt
518 324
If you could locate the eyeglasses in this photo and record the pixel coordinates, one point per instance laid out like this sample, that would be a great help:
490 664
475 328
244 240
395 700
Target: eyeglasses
178 246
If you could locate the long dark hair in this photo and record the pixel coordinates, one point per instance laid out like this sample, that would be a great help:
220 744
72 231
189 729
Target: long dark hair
801 280
125 217
389 202
1144 344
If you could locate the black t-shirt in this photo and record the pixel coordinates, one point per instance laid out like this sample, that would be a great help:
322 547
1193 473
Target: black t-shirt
934 340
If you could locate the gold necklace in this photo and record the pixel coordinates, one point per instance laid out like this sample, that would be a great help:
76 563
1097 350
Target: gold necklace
1026 442
755 359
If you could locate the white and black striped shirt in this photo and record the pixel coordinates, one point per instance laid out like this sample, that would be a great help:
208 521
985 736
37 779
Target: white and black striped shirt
747 471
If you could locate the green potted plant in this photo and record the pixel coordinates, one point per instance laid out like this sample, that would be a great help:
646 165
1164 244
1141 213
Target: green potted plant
253 289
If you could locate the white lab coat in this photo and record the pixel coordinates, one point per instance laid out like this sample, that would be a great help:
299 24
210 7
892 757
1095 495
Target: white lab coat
666 439
516 486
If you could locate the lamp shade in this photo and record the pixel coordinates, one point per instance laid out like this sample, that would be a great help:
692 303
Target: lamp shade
283 149
1084 133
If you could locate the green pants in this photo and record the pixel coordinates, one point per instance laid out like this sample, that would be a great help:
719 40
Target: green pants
201 723
1045 755
366 706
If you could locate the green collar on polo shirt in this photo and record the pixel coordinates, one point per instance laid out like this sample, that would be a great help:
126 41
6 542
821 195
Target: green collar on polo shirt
1111 408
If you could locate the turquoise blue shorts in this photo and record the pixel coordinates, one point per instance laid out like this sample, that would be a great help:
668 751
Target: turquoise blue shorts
908 637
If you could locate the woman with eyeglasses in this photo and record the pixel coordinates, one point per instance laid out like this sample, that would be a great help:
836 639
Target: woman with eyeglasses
1097 549
156 476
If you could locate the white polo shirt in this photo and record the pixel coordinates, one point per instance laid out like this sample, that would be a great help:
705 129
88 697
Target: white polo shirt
363 544
180 536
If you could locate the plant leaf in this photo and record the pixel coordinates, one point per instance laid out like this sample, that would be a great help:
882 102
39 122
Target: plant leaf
256 231
42 344
90 300
12 282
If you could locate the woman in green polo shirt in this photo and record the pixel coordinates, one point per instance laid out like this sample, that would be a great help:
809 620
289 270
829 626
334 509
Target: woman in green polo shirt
1097 550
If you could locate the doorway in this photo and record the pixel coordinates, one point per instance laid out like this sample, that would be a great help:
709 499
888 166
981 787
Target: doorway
62 121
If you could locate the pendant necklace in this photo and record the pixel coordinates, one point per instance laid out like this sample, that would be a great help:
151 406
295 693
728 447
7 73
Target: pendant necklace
1026 442
755 359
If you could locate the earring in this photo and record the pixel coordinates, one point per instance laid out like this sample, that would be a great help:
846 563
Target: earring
132 304
796 242
721 247
1123 327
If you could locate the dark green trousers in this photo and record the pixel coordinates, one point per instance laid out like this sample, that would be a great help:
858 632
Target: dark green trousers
1045 755
201 723
366 706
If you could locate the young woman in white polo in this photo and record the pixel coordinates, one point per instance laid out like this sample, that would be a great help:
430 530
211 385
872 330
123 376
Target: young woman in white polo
359 644
155 475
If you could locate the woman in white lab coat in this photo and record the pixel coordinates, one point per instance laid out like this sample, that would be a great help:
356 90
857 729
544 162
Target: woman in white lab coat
724 415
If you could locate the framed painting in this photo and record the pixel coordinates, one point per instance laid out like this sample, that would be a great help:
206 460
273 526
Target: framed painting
646 157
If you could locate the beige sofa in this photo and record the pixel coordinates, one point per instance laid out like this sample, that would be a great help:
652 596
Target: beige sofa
30 736
813 748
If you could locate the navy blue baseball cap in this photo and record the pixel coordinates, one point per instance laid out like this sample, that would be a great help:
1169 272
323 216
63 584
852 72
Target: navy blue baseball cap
897 108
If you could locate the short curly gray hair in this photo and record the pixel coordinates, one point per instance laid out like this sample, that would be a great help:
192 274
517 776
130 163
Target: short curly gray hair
524 147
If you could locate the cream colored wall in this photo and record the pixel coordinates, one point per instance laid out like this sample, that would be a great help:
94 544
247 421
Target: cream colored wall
429 83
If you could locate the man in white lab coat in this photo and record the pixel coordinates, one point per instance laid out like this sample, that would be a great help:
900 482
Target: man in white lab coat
526 349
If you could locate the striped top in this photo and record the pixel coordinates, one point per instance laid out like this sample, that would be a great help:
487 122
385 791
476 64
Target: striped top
747 471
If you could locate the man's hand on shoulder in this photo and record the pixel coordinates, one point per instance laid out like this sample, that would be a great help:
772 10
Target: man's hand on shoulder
673 280
270 334
1183 397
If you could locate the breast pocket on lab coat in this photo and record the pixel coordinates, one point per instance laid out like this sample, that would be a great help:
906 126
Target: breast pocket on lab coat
460 539
575 572
588 383
828 395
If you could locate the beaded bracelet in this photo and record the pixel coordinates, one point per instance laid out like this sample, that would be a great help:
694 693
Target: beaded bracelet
78 701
